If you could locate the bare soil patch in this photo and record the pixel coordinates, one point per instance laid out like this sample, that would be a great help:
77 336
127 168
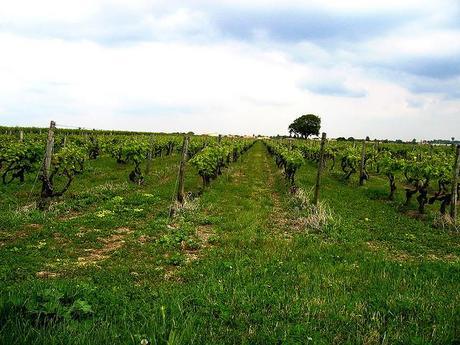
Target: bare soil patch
203 233
110 245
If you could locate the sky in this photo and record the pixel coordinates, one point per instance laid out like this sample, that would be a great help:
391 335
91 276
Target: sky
383 69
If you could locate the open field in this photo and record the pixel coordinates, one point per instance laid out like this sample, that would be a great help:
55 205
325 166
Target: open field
244 262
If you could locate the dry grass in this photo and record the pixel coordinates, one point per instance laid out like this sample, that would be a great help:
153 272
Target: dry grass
27 208
46 274
311 217
204 232
445 222
397 255
190 205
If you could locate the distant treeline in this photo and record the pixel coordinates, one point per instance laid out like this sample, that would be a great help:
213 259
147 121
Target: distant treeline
398 141
82 130
37 130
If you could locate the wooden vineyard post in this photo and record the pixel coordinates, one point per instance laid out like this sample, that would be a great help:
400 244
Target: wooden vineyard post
180 196
180 188
43 204
219 138
21 135
361 166
453 204
320 168
150 154
49 150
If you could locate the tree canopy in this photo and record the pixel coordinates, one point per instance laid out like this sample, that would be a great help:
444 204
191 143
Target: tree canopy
305 125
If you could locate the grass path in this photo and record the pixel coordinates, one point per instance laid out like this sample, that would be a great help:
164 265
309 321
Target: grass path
258 278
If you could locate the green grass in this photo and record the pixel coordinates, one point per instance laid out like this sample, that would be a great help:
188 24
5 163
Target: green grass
235 267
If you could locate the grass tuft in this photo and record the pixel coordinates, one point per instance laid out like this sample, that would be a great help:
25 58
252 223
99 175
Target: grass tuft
311 217
445 222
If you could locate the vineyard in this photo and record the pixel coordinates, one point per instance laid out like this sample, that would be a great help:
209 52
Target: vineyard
153 238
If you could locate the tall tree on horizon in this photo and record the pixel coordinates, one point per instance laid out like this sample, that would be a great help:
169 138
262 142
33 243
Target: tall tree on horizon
305 125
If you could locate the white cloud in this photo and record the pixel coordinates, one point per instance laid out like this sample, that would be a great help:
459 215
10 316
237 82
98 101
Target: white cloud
177 70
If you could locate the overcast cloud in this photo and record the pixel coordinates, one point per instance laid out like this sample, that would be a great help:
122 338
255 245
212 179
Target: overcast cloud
388 69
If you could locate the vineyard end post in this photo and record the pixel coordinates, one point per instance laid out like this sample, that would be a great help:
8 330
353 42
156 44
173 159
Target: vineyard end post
453 205
21 135
320 168
361 166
